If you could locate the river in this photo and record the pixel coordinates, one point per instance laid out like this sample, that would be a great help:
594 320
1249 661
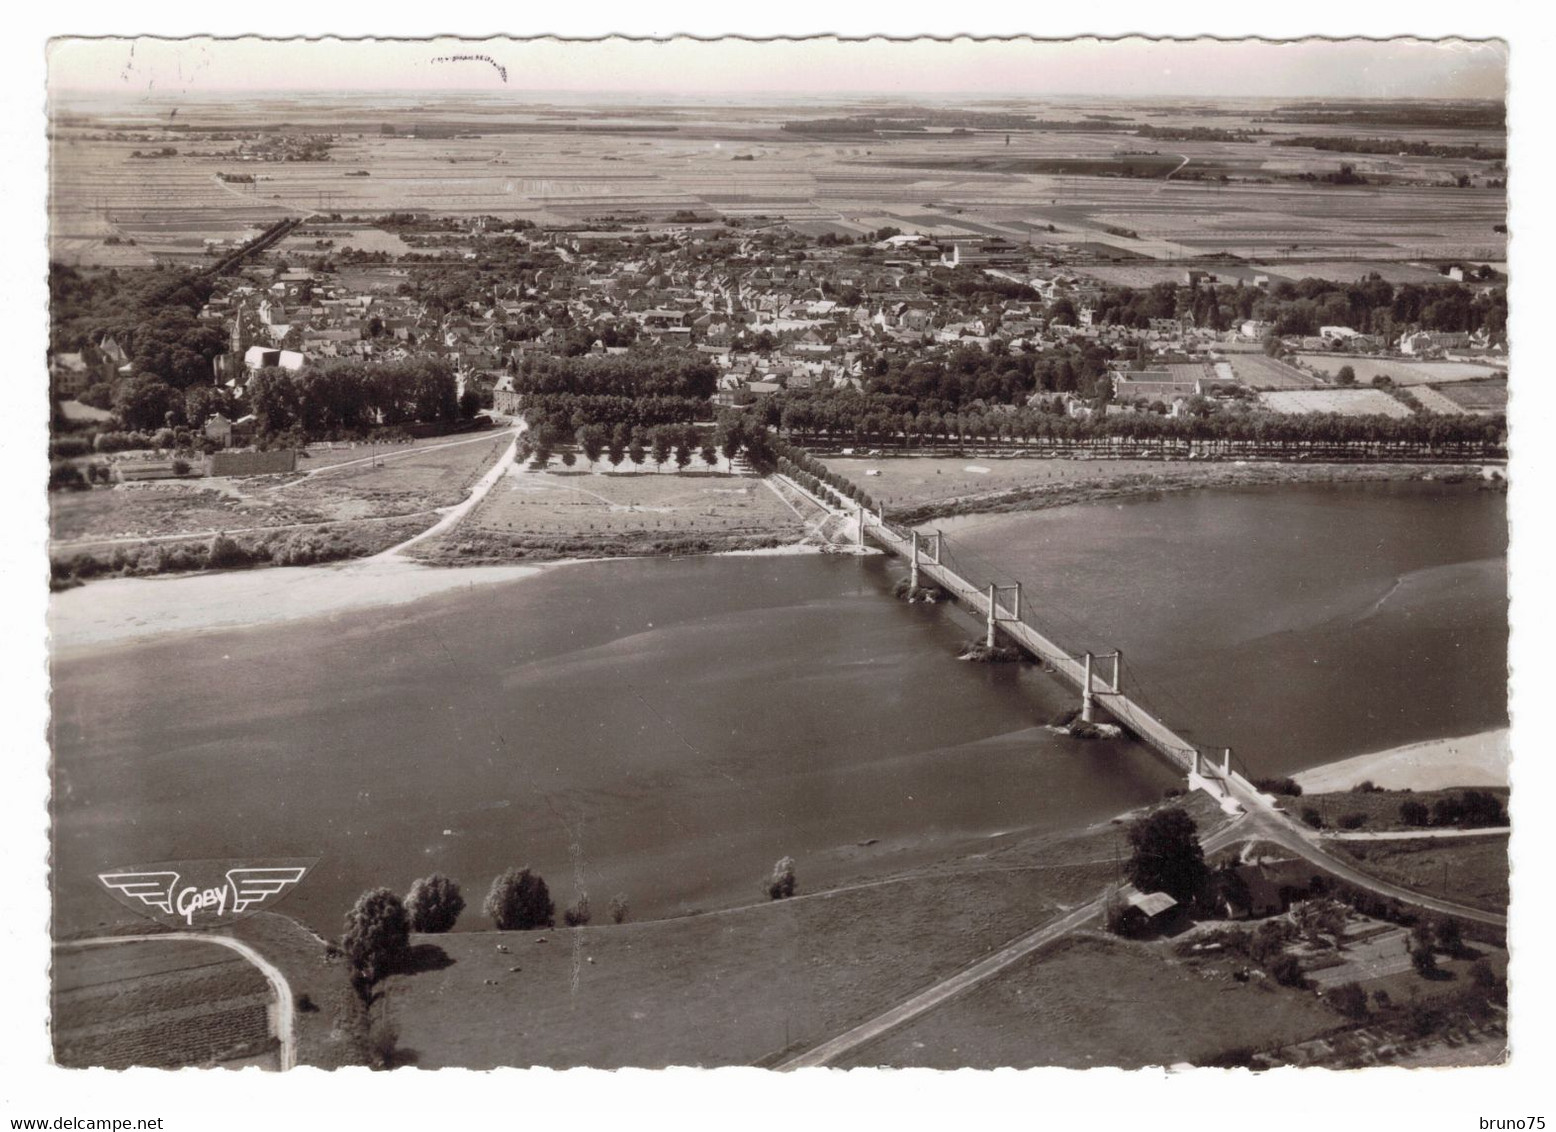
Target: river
666 729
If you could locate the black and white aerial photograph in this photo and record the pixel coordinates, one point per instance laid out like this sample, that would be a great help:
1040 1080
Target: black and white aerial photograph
795 554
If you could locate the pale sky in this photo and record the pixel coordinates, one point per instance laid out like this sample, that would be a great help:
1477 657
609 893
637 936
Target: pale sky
1128 67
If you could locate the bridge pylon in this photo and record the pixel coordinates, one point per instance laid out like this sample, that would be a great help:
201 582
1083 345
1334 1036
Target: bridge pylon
1116 681
995 616
916 548
1088 706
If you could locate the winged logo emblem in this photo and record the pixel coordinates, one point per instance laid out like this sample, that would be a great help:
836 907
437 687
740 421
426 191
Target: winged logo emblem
155 890
226 890
255 885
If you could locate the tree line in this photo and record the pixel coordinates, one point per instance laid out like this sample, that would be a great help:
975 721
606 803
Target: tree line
620 442
346 398
832 418
649 373
1371 305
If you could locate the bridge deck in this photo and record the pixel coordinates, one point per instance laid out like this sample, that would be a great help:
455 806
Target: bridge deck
1156 734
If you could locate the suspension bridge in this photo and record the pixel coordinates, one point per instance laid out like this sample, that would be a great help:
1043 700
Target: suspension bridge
1106 684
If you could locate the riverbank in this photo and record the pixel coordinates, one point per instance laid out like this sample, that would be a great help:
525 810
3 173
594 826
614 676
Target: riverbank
116 610
917 490
1437 764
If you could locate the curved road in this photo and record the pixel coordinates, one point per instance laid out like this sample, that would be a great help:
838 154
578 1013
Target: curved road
454 514
1282 834
286 1011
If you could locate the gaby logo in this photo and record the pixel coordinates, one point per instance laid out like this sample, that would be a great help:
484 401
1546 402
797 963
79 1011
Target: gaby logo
203 893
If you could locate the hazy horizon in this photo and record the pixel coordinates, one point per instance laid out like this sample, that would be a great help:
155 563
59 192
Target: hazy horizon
1132 67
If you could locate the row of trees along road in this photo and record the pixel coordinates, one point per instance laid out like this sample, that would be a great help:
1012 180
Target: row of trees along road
833 418
731 436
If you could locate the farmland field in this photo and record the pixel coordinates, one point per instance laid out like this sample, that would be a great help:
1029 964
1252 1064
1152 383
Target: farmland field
1347 402
1260 371
346 483
667 504
929 479
1434 402
1401 370
1478 396
1352 271
1474 870
1016 185
1081 1003
165 1003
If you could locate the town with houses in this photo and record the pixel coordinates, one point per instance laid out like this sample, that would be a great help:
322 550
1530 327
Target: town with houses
776 311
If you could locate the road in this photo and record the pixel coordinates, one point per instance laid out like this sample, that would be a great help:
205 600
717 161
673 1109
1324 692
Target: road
286 1010
941 992
1256 824
1413 834
1279 830
969 977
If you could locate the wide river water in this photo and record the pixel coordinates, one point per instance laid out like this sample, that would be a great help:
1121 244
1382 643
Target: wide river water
667 729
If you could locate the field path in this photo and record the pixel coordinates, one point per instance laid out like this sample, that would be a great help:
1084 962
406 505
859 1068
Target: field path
454 514
383 458
286 1011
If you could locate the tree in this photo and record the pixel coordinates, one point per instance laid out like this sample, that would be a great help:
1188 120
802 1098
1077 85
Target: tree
781 884
1346 376
1167 856
434 904
145 402
1286 970
617 451
1449 937
578 915
661 442
201 402
1414 813
377 935
520 901
1424 961
1349 999
592 440
225 553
